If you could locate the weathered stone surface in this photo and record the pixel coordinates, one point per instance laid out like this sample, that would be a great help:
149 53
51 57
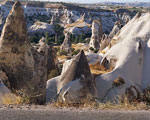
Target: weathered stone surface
26 68
66 46
80 26
77 82
96 34
104 41
117 27
41 28
16 59
129 57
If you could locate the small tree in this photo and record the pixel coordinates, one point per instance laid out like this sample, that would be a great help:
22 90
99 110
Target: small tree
58 31
49 39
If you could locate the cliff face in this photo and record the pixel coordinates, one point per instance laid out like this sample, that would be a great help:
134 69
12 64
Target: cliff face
25 67
65 15
129 51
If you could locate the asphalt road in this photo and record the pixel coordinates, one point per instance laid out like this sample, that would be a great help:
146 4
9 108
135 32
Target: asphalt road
71 114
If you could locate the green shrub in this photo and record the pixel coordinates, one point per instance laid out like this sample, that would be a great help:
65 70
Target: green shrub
79 38
53 73
57 49
35 38
96 50
91 48
62 52
75 52
59 34
72 49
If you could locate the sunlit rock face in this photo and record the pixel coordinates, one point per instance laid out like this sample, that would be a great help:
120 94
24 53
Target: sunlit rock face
96 34
41 28
128 58
65 14
116 29
75 83
79 27
66 45
15 51
26 68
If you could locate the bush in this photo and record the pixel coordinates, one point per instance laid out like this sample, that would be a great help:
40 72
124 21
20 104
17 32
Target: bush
57 49
53 73
59 34
58 38
91 48
72 49
79 38
62 52
49 39
75 52
35 38
61 38
96 50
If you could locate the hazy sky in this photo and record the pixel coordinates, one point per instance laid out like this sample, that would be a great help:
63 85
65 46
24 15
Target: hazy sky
95 1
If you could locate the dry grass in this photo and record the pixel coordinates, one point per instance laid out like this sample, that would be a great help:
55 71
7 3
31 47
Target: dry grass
80 46
98 69
61 57
105 106
103 52
121 105
10 99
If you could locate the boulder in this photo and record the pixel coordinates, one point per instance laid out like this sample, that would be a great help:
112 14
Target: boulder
77 82
96 34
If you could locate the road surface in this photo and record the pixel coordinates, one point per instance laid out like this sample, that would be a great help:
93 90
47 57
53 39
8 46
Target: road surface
70 114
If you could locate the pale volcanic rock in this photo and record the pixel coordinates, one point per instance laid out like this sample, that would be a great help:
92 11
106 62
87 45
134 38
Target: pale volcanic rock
77 82
128 59
41 28
78 27
26 69
66 45
96 34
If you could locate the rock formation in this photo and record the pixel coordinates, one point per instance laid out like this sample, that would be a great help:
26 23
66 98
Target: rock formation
78 27
25 67
77 82
52 21
104 41
41 28
74 84
117 27
96 34
66 46
129 58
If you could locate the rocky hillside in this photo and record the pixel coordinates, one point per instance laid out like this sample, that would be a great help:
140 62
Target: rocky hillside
63 14
99 69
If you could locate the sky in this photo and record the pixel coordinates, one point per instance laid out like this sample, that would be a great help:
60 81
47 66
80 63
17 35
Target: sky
97 1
